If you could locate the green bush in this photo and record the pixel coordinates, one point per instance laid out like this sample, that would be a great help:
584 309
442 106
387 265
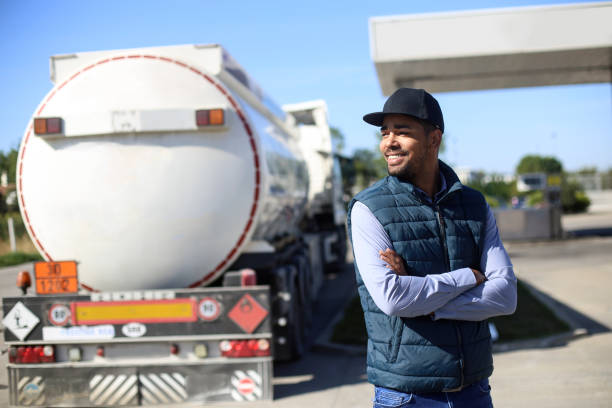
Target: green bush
535 198
573 198
492 201
16 258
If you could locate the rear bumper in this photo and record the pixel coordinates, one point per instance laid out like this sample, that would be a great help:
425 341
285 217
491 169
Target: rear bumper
128 385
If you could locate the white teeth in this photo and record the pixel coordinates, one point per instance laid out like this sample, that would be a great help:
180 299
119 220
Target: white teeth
395 156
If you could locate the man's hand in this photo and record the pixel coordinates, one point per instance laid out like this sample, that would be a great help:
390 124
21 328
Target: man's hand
479 276
394 261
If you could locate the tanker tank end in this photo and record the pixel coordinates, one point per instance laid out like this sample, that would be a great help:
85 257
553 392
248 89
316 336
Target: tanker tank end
147 172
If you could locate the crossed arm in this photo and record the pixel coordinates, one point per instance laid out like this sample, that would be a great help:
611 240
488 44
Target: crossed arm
462 294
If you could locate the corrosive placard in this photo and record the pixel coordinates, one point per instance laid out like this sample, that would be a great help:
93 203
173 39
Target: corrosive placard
56 277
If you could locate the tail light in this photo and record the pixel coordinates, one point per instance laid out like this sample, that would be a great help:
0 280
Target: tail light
245 348
248 277
210 117
31 354
47 126
174 349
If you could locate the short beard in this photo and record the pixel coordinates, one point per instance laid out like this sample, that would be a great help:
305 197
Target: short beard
405 174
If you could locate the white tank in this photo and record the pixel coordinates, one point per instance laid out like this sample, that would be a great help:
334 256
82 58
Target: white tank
134 191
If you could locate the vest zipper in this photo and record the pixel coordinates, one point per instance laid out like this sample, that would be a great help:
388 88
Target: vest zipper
443 237
447 262
460 353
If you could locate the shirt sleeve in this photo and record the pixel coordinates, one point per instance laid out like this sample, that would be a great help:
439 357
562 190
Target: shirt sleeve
405 296
495 296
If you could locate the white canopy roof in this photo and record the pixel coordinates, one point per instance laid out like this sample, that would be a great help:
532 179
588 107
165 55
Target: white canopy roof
495 48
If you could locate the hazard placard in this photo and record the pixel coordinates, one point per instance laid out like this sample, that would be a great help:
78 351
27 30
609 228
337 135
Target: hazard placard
20 321
248 313
56 277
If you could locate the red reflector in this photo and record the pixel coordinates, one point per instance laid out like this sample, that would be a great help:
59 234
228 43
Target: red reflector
208 117
174 349
32 354
202 118
54 125
245 348
248 277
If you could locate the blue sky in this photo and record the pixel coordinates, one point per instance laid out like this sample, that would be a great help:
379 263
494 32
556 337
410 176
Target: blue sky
310 50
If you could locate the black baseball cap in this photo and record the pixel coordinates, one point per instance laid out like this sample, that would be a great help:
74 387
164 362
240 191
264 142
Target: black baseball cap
413 102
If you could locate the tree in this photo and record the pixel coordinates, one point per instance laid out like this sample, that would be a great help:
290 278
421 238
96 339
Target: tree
337 138
8 164
539 164
369 166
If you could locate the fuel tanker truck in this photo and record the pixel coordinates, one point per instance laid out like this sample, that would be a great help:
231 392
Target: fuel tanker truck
185 221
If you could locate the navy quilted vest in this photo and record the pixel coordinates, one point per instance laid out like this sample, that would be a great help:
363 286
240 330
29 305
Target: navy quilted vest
419 354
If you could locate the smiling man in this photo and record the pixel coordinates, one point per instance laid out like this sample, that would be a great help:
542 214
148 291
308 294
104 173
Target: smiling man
430 267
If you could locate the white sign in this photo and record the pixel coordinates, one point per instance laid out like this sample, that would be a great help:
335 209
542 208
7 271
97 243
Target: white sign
59 314
101 332
20 321
209 309
134 329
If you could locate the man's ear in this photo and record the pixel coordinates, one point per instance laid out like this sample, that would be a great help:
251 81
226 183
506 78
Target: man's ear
435 139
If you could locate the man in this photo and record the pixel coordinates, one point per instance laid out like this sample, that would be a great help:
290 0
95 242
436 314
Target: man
430 267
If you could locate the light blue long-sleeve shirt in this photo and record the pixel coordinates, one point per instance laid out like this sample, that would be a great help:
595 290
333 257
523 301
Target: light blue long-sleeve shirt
452 295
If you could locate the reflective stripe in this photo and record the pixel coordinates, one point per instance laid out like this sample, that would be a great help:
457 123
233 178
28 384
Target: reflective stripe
159 388
28 397
113 390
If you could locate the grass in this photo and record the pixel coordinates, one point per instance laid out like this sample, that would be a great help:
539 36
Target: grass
532 319
16 258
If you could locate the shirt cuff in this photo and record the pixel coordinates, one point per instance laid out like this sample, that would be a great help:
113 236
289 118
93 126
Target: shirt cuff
464 278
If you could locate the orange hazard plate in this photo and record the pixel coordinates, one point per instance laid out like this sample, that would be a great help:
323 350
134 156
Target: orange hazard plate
56 277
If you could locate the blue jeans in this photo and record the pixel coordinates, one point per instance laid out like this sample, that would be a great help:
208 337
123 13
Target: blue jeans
477 395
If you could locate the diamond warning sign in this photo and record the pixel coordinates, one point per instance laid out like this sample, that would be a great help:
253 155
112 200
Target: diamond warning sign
248 313
20 321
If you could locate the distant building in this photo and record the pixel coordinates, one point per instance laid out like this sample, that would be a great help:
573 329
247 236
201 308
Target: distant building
468 175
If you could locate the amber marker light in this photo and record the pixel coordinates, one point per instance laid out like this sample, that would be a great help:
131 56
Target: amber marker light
24 281
210 117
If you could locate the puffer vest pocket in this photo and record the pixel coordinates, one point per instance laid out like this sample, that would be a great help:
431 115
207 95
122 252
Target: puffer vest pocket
396 339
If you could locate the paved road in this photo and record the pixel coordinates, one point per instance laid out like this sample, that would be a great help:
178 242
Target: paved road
577 273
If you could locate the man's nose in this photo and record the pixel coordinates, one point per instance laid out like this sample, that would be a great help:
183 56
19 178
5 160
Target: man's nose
391 141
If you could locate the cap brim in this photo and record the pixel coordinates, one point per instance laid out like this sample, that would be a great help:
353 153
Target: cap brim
374 118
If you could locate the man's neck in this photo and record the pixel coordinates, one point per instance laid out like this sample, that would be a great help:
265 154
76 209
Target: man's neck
429 181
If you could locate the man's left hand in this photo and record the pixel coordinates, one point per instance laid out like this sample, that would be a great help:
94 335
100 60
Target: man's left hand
394 261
